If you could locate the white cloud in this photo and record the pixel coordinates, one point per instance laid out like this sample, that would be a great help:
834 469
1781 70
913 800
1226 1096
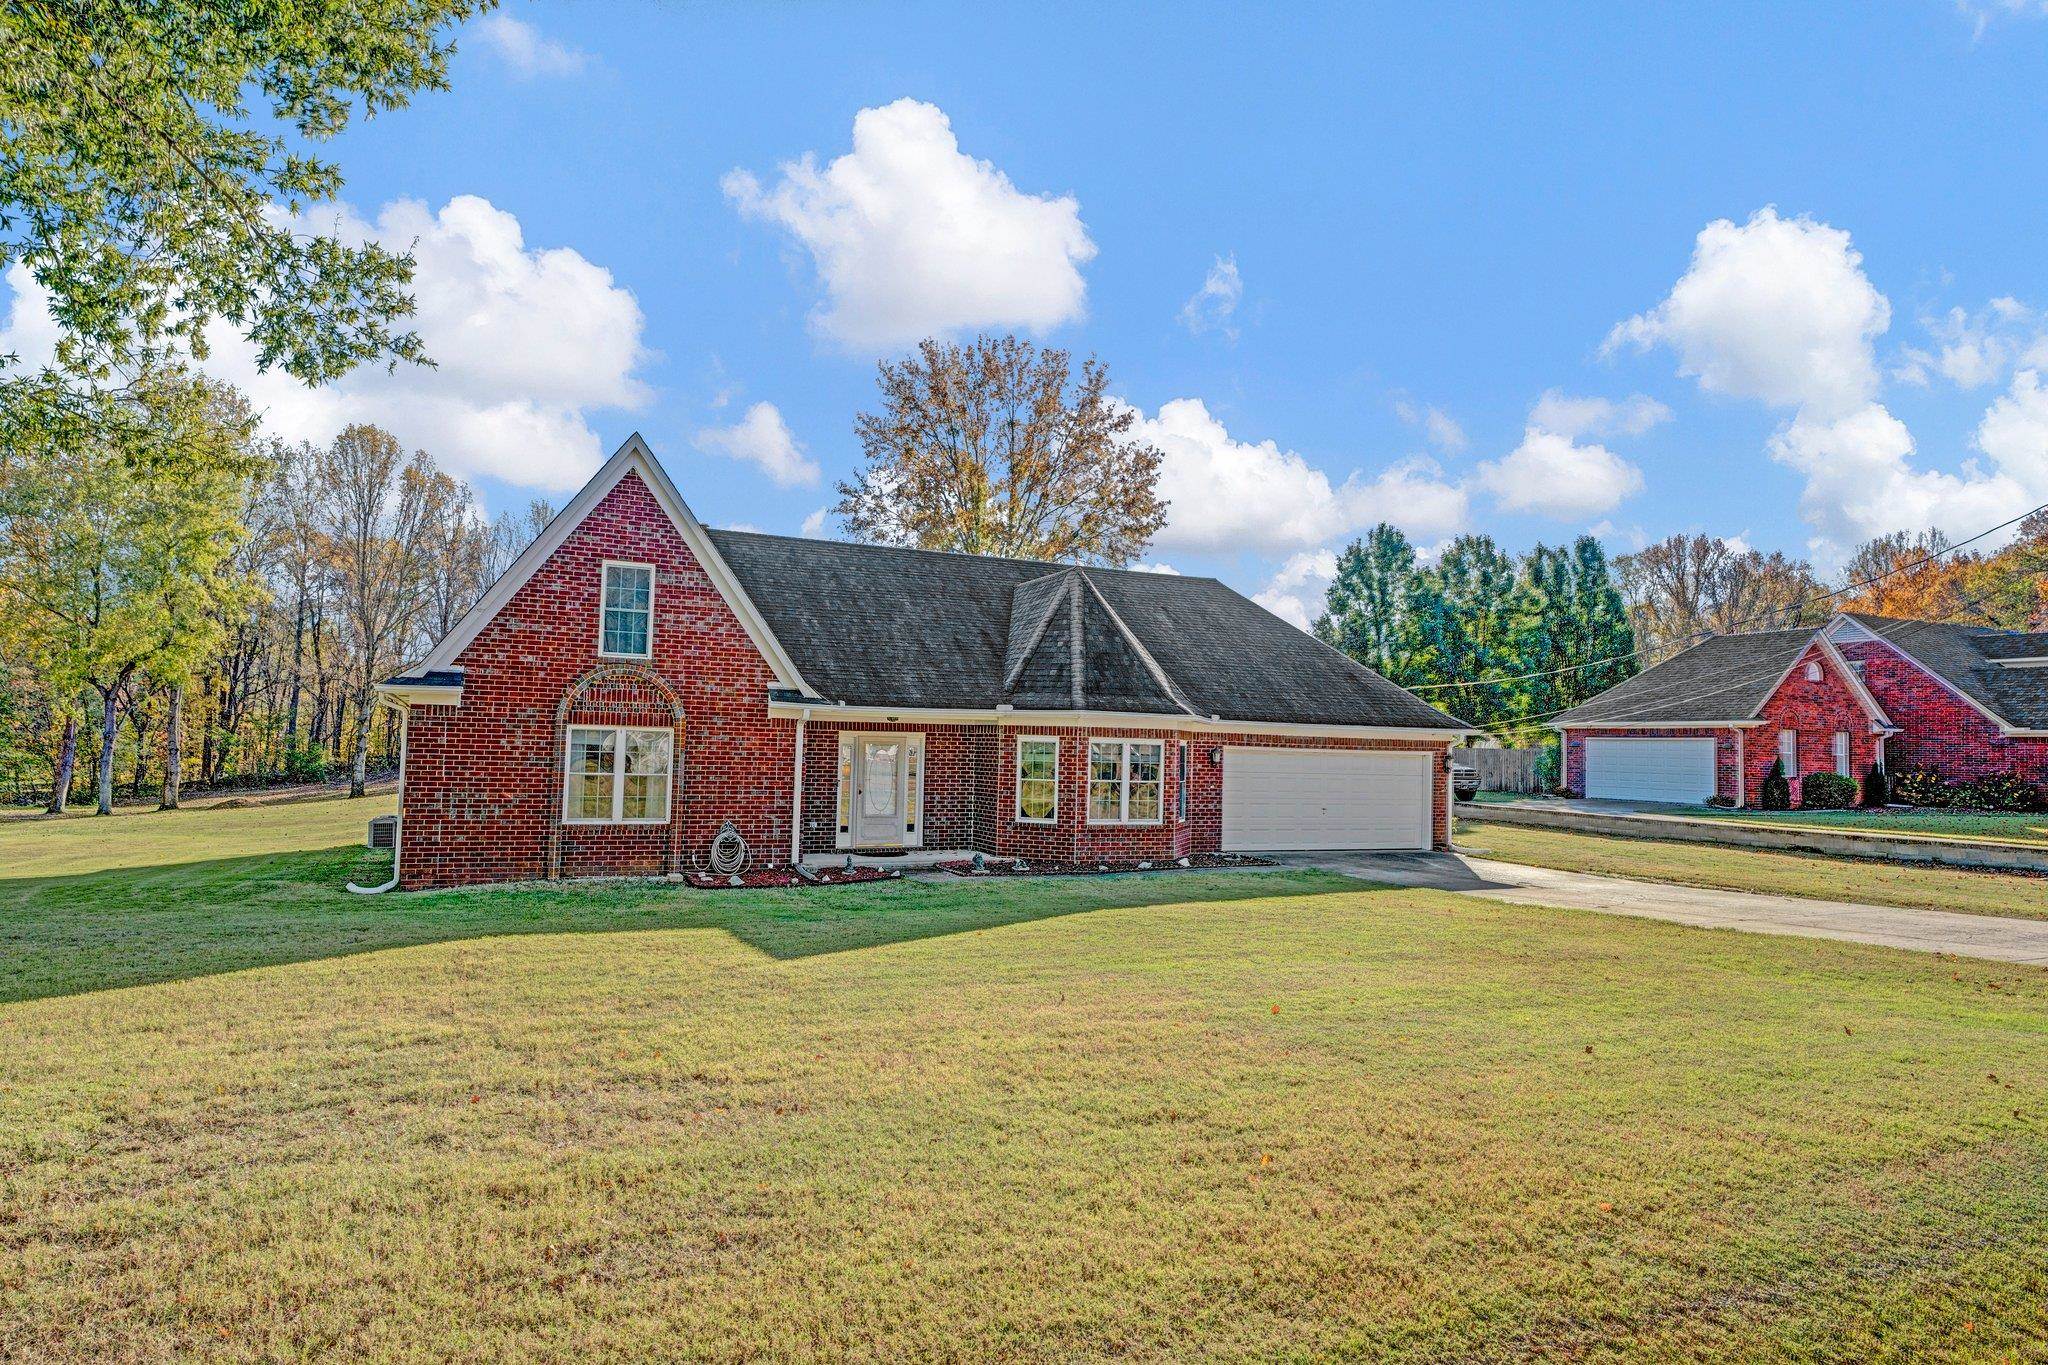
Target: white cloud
524 50
1571 416
1239 495
814 524
1776 309
528 342
1155 568
1439 428
1212 306
913 237
1297 589
30 334
1780 310
762 438
1972 350
1860 482
1551 474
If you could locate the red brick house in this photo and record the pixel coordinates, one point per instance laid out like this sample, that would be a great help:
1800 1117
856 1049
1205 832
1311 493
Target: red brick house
636 681
1969 701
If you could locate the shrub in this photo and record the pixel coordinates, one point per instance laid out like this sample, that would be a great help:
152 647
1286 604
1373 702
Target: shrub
1827 791
306 763
2006 791
1877 788
1549 767
1724 802
1920 785
1777 792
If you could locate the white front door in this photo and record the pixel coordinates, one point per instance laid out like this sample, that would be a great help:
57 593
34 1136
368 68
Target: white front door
1675 770
1282 799
878 793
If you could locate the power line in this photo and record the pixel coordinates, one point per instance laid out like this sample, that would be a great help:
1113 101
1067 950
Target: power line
1709 631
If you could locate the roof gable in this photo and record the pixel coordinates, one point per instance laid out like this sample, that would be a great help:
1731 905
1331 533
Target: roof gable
632 458
1719 681
1965 660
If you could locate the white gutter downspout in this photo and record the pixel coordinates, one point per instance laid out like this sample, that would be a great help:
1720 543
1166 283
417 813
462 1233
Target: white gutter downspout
404 710
796 800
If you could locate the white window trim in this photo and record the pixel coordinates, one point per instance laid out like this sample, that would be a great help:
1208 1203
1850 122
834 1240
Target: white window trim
1183 774
1813 671
1788 752
618 774
603 572
1017 785
1845 762
1123 787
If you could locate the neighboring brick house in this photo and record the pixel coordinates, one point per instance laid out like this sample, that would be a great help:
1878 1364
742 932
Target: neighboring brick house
635 682
1969 701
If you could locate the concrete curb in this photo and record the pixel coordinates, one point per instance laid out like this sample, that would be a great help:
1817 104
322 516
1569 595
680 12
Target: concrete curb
1980 854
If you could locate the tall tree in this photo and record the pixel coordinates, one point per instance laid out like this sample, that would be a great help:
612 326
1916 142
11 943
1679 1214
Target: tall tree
996 447
2011 587
1574 631
1365 608
1460 629
1686 587
142 191
1915 577
117 548
381 513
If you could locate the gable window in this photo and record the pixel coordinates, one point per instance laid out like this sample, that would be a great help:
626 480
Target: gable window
1124 779
1842 752
626 630
617 775
1813 672
1038 780
1788 751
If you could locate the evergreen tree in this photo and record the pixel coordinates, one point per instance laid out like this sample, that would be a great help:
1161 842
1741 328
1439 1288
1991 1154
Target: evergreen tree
1572 615
1460 627
1367 600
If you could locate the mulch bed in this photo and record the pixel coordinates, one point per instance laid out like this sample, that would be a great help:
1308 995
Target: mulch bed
1033 867
782 876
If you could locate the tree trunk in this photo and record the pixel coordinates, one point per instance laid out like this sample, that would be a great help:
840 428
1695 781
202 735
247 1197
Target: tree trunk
67 760
357 785
174 749
110 722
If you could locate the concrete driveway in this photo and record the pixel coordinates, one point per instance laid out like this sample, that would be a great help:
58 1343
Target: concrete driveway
1929 931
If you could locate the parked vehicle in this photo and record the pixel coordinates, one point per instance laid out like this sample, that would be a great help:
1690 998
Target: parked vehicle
1464 781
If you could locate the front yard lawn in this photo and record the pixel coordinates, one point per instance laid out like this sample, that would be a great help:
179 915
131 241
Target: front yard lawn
1930 824
1188 1116
1754 869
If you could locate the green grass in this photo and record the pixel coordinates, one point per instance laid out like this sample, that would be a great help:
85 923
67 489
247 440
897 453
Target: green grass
1254 1116
1931 824
1752 869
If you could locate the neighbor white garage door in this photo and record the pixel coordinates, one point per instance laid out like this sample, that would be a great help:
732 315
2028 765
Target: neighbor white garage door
1277 799
1650 769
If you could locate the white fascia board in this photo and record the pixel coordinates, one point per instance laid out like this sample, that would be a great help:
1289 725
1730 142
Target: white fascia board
631 457
1862 694
1658 725
1023 721
419 694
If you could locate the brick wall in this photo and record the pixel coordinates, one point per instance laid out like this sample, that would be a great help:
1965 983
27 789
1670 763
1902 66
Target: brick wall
484 780
1938 728
1725 747
1814 709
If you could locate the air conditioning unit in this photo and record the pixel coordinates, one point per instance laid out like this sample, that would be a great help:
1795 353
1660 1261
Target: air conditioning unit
384 832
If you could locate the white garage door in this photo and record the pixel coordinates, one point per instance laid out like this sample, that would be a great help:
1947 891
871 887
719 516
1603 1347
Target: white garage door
1650 769
1277 799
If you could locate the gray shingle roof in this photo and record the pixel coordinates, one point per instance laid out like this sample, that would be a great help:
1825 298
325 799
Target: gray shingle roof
1722 679
878 625
1963 657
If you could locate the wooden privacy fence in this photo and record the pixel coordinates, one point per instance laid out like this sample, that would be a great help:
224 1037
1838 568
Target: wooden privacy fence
1501 770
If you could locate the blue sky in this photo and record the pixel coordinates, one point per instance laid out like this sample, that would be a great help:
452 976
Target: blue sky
1746 228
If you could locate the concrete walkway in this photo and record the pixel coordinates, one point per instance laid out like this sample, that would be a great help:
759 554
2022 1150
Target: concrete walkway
1930 931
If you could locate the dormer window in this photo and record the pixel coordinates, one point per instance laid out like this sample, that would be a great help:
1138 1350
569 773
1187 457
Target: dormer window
626 628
